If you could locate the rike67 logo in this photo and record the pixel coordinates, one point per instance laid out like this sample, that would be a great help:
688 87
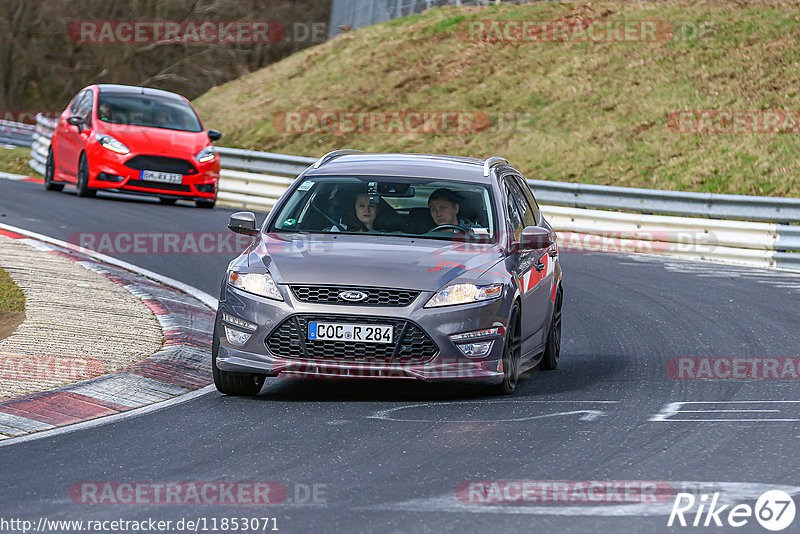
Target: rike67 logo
774 510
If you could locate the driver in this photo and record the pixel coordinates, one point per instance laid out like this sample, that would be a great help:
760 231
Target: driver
444 205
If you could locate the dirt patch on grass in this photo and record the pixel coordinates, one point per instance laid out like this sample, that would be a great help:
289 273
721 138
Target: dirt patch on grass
9 321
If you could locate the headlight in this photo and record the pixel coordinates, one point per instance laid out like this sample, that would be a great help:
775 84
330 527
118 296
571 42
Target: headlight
256 283
207 154
464 294
112 144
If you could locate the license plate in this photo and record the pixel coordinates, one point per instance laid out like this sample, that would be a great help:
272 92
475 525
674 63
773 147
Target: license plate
166 177
362 333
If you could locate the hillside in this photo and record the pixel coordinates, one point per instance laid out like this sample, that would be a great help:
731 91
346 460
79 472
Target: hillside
593 112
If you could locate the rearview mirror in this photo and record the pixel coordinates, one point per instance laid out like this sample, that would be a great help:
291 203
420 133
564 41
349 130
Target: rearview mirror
534 238
76 120
243 222
214 135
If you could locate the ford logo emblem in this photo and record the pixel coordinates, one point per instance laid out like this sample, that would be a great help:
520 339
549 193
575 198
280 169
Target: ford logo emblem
352 296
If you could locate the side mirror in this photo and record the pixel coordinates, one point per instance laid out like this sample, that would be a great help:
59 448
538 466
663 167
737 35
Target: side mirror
534 238
76 120
214 135
243 222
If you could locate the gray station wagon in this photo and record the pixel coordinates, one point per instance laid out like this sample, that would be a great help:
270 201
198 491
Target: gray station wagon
393 266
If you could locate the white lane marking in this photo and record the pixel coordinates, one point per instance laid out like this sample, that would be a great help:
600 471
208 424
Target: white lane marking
202 296
586 415
669 411
730 493
108 419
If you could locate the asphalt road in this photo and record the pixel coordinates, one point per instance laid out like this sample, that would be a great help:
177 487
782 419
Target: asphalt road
388 457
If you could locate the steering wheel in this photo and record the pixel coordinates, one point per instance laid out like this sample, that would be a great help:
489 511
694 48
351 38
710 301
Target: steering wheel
448 227
339 226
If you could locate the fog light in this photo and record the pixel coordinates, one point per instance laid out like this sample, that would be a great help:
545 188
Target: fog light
205 188
475 350
109 177
236 337
228 318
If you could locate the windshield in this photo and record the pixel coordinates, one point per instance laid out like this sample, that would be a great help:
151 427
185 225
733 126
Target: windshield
147 110
383 205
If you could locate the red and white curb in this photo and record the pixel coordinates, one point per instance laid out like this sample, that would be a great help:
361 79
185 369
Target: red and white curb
181 366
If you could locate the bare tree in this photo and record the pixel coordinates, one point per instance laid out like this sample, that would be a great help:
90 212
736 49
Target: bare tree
42 65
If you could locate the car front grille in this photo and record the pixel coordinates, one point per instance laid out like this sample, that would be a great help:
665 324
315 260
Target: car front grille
161 163
158 185
375 296
411 345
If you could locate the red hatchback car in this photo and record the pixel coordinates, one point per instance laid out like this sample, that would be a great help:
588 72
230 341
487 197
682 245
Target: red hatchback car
134 140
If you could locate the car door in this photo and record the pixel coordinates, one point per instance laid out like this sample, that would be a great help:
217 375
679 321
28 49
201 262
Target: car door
70 141
519 263
535 275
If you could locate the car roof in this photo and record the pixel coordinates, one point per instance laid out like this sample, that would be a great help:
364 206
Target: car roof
132 89
406 165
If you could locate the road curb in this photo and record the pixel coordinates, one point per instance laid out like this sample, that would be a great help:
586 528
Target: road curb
181 366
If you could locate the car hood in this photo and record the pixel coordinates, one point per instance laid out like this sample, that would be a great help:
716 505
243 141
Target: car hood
379 261
157 141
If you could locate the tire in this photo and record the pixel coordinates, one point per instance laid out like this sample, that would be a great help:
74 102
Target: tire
236 384
83 188
511 356
552 350
49 172
168 201
205 204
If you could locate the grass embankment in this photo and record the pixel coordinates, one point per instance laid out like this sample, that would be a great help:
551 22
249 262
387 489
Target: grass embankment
15 161
582 112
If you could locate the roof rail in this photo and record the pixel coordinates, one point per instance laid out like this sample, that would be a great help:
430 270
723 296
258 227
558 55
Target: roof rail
487 165
335 154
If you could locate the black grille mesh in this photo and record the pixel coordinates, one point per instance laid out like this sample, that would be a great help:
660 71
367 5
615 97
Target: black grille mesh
375 296
161 163
158 185
411 345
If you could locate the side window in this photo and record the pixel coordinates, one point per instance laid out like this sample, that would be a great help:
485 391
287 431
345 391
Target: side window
85 106
73 107
526 211
529 196
515 224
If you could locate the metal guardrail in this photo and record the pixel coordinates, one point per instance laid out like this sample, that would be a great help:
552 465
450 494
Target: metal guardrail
16 133
42 134
710 205
263 162
737 228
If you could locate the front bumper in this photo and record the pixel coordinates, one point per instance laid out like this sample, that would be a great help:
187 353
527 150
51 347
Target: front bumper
448 364
107 172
